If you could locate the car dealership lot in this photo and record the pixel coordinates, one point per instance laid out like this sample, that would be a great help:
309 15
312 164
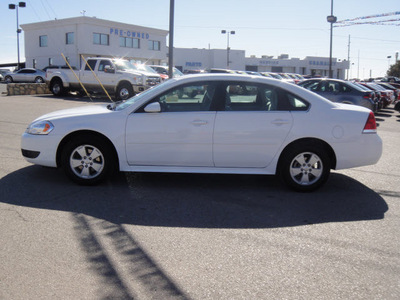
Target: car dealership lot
168 236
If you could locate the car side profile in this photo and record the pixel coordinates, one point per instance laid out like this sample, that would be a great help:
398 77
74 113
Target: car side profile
25 75
340 91
235 124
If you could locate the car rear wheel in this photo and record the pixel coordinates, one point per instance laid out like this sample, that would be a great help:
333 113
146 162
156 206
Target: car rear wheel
39 79
87 160
124 91
57 87
305 167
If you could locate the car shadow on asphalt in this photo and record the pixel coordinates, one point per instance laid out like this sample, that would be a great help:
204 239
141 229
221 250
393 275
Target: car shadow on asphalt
118 260
77 98
194 200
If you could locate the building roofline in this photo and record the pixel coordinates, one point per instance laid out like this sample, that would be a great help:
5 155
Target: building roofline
89 20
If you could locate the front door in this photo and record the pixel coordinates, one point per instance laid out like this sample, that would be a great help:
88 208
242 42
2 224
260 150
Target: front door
180 135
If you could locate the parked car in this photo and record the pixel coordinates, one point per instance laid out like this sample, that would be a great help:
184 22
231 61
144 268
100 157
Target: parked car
376 95
340 91
391 79
163 71
1 77
238 124
387 96
389 86
25 75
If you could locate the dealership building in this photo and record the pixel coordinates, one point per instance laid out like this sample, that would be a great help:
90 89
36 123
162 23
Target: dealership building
47 42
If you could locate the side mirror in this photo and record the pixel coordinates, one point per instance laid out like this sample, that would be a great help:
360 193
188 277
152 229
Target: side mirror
109 69
154 107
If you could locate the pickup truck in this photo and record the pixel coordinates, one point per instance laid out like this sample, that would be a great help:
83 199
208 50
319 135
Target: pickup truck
118 76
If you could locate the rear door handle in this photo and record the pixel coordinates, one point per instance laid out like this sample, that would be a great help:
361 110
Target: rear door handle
199 122
280 122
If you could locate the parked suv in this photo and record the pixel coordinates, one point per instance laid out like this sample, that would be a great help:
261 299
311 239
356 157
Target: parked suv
341 91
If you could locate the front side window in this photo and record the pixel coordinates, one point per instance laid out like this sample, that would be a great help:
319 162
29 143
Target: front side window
193 97
69 38
43 41
101 39
103 64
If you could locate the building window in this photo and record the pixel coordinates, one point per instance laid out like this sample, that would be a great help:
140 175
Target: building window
50 61
34 62
43 41
69 38
154 45
101 39
129 42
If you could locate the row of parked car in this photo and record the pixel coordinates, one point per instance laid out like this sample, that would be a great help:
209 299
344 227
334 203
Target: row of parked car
374 95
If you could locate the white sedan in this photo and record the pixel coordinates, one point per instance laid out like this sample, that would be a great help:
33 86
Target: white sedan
235 124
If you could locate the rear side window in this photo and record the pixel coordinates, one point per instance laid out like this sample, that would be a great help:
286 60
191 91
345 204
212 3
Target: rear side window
260 97
91 63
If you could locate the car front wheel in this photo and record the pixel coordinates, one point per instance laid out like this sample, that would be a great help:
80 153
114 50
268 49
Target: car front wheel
87 160
305 168
8 79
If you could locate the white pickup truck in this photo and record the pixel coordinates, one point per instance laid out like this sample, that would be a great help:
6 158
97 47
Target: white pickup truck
118 76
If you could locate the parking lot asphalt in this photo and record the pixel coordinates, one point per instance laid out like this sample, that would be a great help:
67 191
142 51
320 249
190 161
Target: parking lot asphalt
173 236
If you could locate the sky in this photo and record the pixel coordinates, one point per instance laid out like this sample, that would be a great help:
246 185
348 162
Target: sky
262 27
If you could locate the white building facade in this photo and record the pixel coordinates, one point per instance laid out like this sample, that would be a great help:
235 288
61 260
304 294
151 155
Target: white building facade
192 59
45 42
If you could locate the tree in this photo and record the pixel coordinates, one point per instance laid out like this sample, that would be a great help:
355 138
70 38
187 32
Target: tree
394 70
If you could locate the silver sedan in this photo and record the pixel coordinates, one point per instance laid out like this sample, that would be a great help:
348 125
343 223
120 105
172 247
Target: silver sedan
25 75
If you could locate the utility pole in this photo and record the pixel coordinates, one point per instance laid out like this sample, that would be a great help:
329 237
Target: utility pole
348 57
171 39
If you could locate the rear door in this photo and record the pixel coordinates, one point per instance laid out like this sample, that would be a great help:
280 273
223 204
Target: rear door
252 127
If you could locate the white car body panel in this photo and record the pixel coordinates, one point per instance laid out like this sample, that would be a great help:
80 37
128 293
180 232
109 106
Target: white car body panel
213 142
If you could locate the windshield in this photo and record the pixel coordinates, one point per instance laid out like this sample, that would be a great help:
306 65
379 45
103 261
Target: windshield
177 73
145 68
124 65
130 101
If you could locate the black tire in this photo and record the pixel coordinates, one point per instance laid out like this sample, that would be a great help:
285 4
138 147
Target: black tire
124 91
88 160
304 166
39 80
57 88
8 79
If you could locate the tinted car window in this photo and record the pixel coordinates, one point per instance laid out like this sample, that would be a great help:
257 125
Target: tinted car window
195 97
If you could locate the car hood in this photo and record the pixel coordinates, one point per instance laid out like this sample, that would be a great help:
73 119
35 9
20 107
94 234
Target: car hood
77 111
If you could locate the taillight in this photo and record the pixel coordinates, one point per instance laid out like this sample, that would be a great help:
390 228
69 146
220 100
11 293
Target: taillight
368 96
370 125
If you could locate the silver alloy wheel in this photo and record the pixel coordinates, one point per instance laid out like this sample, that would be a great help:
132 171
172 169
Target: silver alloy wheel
86 161
306 168
39 80
124 93
56 88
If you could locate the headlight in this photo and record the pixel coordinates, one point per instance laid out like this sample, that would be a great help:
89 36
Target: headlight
40 127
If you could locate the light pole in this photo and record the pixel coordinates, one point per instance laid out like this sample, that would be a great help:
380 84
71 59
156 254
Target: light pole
227 47
331 19
15 6
389 57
